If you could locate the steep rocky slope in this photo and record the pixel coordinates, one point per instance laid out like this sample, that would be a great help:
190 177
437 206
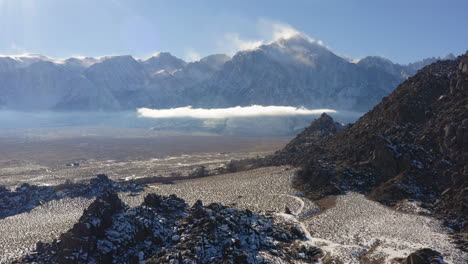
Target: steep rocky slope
413 145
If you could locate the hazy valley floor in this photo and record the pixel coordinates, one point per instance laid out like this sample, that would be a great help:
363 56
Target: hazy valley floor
40 155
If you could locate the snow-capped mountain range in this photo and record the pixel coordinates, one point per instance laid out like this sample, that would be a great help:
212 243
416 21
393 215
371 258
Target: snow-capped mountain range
296 71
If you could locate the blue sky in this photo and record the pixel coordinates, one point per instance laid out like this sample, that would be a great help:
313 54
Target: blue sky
402 31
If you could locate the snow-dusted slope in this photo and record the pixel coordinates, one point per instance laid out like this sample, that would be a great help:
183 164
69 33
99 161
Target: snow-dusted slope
168 88
36 82
124 77
41 85
118 73
295 71
8 64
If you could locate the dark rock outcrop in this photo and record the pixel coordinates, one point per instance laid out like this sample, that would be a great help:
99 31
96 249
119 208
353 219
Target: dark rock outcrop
82 240
425 256
166 230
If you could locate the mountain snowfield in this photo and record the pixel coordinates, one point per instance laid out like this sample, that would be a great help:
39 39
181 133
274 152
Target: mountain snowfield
294 71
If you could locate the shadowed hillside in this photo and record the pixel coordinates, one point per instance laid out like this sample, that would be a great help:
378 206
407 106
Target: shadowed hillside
413 145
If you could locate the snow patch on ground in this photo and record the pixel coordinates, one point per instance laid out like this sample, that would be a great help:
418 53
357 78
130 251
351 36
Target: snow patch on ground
356 223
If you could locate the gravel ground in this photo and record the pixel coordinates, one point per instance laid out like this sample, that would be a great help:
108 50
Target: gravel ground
356 223
347 230
260 190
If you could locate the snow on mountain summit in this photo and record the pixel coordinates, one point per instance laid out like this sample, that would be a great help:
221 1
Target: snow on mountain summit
163 61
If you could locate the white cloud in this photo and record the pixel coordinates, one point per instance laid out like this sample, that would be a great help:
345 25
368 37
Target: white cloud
276 30
155 54
267 30
235 43
192 55
238 111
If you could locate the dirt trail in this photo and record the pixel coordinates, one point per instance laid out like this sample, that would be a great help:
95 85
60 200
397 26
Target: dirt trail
301 202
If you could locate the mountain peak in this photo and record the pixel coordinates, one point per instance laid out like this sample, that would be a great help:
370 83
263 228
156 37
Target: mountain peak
325 116
164 61
324 126
321 128
296 50
299 47
298 39
164 54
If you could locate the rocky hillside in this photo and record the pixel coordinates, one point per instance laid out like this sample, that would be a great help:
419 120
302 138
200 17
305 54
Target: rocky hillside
294 72
413 145
295 152
167 230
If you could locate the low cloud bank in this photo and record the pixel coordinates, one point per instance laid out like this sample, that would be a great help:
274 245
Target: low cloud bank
232 112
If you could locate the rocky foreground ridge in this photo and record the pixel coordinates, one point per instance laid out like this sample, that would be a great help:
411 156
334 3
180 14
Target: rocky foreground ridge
413 145
167 230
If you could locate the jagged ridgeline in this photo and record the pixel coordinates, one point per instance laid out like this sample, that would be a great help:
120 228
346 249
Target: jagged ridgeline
294 72
412 145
